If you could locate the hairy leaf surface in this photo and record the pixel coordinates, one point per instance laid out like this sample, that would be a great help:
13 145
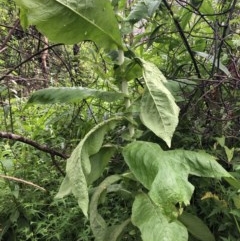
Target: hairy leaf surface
165 173
159 111
99 161
79 165
149 218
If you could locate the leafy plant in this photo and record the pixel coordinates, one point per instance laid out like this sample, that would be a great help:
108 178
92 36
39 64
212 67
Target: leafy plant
135 128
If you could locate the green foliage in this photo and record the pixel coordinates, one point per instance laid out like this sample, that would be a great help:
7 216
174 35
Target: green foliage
72 22
79 166
165 173
196 227
155 101
143 9
117 121
153 224
68 95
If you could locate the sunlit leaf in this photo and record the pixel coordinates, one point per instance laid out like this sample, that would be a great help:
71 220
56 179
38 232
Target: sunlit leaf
153 225
165 173
214 61
73 21
159 111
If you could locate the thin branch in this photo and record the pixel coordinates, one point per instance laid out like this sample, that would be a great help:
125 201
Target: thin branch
9 35
184 39
57 166
28 59
22 181
38 146
225 30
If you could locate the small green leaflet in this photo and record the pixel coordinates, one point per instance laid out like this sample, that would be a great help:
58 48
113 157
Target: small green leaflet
143 9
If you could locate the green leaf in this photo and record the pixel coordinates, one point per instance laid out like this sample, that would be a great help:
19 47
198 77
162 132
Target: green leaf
196 227
114 232
166 180
159 111
197 163
221 141
98 163
143 9
229 153
73 21
207 9
153 225
185 16
98 225
79 165
211 59
71 94
165 173
65 188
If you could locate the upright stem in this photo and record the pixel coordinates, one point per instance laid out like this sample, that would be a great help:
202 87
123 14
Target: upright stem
125 90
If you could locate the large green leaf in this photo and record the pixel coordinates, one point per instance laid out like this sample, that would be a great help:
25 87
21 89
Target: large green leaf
154 226
143 9
72 21
159 111
79 165
196 227
165 173
71 94
98 162
98 225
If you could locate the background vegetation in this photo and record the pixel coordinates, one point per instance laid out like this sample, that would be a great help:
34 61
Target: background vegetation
196 46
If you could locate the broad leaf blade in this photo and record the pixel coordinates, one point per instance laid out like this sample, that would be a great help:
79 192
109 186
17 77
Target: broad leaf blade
79 165
98 225
73 21
65 188
165 173
153 225
166 180
98 163
71 94
198 163
159 111
196 227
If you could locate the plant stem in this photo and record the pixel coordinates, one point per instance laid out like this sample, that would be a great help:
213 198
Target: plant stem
127 105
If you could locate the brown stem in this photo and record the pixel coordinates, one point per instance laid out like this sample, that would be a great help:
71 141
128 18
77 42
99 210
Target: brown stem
38 146
10 33
22 181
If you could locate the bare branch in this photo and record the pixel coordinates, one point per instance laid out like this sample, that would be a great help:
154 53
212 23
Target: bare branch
22 181
40 147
